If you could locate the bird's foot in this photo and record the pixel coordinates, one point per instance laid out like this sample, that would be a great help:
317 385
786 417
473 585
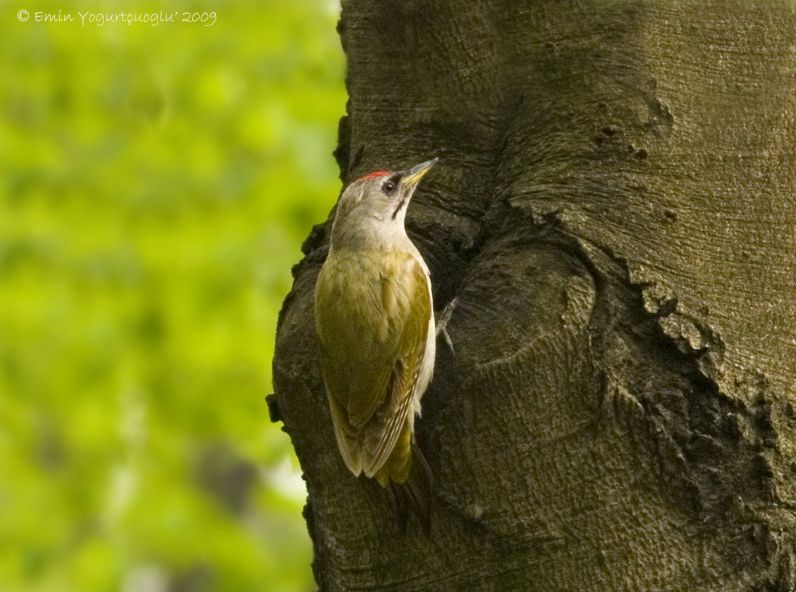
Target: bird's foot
444 319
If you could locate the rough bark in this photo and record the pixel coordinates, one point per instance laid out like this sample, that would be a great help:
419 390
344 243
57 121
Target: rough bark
615 209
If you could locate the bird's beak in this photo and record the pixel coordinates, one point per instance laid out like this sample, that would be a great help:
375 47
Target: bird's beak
411 177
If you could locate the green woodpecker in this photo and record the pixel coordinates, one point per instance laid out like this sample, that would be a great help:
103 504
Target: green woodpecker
375 322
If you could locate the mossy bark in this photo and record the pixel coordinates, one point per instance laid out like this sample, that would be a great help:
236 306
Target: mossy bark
615 209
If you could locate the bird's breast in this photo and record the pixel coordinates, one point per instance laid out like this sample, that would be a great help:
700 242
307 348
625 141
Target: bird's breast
373 291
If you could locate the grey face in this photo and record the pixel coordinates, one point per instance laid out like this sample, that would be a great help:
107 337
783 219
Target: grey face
371 211
385 197
382 195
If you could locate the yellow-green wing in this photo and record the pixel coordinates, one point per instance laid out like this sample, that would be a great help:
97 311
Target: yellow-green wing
372 313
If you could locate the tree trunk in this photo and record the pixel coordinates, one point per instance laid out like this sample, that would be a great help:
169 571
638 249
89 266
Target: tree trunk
615 209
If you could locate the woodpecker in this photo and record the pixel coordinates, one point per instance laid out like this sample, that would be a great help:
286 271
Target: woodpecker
374 317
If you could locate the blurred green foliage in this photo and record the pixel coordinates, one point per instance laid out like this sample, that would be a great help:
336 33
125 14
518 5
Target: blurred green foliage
156 184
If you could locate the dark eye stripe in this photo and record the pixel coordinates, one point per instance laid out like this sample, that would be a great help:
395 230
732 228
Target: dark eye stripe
391 184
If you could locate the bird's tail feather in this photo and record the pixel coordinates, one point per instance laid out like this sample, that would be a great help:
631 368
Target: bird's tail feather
415 495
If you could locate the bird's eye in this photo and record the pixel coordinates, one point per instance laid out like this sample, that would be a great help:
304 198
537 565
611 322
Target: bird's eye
388 186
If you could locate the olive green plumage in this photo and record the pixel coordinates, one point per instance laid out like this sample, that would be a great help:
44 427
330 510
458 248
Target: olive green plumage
372 313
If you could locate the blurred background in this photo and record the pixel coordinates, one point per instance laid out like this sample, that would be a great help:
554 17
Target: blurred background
156 183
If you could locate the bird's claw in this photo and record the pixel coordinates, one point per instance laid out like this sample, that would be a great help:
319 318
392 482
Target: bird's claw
442 323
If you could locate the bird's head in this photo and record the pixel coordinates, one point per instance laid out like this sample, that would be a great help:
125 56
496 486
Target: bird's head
374 206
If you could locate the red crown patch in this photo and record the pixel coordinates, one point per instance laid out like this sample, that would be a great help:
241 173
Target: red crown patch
375 174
